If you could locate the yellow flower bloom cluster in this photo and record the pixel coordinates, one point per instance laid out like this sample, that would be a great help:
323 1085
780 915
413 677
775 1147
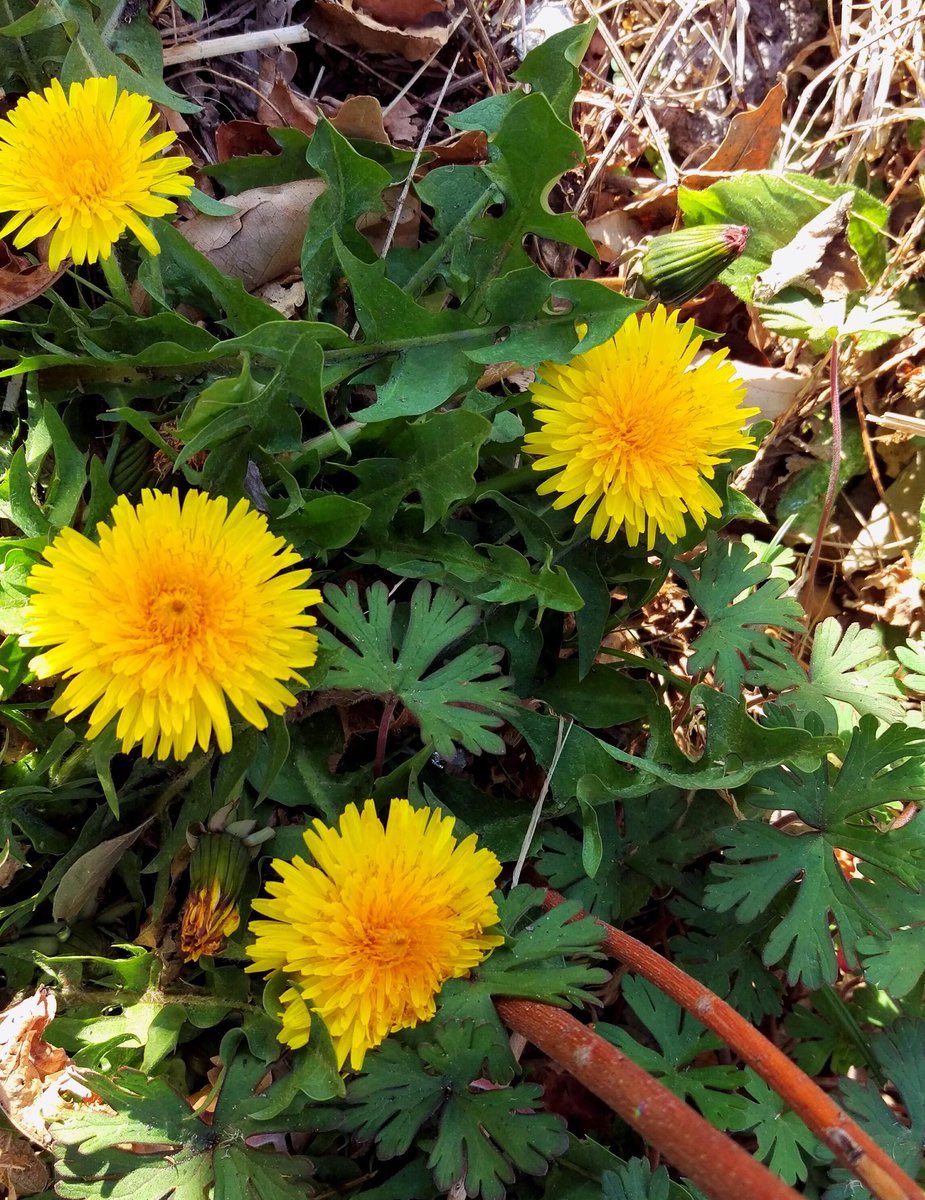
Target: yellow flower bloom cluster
79 163
178 608
634 429
369 935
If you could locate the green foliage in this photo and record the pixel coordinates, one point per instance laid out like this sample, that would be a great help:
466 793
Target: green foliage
847 676
96 1160
736 593
837 806
659 734
454 702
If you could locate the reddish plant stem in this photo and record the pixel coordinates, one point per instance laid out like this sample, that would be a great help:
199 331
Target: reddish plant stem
712 1160
850 1144
832 490
383 736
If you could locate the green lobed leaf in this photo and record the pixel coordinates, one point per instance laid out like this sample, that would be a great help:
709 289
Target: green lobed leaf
456 702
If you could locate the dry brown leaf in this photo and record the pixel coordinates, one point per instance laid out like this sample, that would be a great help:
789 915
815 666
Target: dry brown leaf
470 147
749 145
375 226
750 141
286 298
283 104
22 281
263 240
361 117
876 542
343 23
614 233
237 139
22 1172
402 122
818 258
399 13
772 390
35 1076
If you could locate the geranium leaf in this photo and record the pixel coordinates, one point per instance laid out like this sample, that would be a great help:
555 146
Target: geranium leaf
460 701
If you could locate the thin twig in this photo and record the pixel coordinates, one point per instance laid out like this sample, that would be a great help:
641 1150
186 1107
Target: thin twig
850 1144
422 143
561 739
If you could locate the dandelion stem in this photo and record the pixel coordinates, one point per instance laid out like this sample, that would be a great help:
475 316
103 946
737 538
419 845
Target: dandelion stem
711 1159
859 1153
116 282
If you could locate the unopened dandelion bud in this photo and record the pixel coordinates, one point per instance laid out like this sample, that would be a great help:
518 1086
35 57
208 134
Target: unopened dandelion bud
677 266
218 869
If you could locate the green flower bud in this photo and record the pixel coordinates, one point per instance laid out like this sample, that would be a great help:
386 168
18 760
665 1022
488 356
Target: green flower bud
677 266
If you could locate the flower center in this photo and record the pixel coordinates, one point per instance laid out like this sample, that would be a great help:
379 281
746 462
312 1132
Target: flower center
389 945
87 179
175 614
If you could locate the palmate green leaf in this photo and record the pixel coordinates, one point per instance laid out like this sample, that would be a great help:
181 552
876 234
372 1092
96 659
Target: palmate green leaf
458 702
94 1161
739 598
636 1180
484 1136
763 861
848 674
785 1145
900 1052
680 1038
725 956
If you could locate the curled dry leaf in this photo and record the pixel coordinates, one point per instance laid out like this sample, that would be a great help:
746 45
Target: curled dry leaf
819 258
263 240
614 233
361 117
748 145
38 1082
22 281
237 139
348 23
22 1172
772 390
283 104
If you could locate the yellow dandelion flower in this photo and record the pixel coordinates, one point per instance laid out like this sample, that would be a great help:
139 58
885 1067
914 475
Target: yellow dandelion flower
177 609
635 429
370 934
79 163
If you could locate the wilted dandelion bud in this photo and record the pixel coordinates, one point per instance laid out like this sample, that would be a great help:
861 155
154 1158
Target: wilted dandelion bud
676 266
217 869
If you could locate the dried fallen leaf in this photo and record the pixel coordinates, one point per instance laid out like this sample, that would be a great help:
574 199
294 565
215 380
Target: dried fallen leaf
263 240
237 139
38 1082
84 878
343 22
22 1172
361 117
399 13
283 104
819 257
614 233
22 281
749 144
772 390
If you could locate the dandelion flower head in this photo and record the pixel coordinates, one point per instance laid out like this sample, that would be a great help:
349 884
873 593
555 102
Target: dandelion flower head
179 608
634 430
370 933
79 163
